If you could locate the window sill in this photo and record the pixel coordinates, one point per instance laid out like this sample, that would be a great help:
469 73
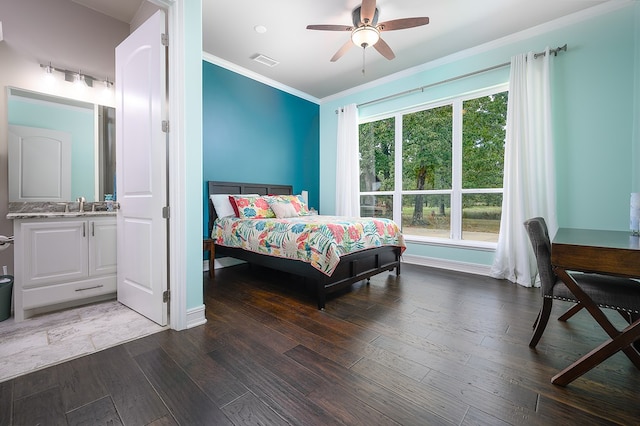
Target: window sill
441 242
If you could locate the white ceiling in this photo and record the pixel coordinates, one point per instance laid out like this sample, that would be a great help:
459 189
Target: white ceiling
303 55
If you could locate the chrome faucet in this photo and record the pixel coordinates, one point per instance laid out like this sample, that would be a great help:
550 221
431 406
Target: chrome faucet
81 201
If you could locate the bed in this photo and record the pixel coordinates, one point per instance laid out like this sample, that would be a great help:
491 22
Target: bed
350 268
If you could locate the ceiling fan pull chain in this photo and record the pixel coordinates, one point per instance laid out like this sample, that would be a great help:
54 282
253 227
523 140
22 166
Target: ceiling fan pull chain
363 51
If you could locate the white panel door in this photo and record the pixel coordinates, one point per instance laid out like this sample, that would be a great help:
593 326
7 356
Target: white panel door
141 170
39 164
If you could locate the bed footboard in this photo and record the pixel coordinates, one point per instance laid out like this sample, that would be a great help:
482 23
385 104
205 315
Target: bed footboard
356 267
352 268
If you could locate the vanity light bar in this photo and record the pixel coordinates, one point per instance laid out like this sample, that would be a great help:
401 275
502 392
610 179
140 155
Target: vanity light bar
74 76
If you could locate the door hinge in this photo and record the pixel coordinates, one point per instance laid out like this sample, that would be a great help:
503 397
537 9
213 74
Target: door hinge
165 126
164 39
166 212
165 296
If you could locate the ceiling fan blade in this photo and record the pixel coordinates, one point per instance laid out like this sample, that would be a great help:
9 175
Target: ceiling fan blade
342 50
384 49
401 24
367 11
329 27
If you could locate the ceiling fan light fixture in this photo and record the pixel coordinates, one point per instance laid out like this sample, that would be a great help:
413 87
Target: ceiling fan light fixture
365 35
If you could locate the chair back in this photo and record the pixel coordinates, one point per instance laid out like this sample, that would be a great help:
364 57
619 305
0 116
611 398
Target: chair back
541 243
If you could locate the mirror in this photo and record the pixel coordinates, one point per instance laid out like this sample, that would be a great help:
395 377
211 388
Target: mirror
59 149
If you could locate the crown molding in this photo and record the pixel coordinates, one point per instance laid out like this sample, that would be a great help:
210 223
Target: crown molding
559 23
257 77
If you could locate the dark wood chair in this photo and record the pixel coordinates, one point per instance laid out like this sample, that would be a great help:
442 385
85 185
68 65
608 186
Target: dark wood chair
620 294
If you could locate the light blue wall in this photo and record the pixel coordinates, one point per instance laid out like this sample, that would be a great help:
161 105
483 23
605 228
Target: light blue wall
77 121
256 133
635 157
192 132
594 91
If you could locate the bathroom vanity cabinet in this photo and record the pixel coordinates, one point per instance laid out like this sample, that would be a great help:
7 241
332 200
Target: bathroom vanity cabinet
63 261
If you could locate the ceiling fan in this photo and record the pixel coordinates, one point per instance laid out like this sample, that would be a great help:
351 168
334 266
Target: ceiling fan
366 29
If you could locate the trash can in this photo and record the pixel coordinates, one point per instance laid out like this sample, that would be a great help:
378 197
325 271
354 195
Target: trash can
6 286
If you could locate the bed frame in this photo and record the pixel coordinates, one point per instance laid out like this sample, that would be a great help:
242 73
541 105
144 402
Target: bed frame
352 268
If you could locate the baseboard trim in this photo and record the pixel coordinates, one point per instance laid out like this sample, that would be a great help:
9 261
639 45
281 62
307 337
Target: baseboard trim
452 265
222 262
196 317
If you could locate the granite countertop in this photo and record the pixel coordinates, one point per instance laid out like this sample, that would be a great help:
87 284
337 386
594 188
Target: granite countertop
44 210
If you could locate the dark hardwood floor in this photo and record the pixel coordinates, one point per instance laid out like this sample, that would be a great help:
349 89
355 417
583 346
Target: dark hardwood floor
430 347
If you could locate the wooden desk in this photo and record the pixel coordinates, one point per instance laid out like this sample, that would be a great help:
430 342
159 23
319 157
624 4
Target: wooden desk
208 245
604 252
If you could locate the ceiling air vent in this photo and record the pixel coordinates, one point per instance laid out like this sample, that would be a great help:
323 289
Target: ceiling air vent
265 60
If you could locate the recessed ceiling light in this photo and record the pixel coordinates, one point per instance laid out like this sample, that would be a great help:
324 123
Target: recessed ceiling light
260 29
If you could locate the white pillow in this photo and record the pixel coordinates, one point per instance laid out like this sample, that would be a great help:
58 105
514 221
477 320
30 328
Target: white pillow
283 210
222 204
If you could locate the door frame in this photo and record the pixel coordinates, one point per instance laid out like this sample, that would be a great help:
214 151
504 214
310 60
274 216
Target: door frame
177 257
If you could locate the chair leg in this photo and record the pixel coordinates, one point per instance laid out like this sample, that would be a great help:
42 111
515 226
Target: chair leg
571 312
535 323
541 322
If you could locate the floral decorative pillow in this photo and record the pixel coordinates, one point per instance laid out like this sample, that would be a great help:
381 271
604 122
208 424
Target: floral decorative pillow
223 204
293 203
253 207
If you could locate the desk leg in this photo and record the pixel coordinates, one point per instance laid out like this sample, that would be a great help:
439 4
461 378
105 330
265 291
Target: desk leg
604 322
598 355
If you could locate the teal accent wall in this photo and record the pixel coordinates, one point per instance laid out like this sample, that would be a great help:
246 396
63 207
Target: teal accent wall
77 121
595 101
256 133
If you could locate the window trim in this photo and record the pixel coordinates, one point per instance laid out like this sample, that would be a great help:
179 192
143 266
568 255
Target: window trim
456 191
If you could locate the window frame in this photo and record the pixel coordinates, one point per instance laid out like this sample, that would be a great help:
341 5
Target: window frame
456 192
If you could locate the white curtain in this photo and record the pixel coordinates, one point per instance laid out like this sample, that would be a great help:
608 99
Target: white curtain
347 163
529 177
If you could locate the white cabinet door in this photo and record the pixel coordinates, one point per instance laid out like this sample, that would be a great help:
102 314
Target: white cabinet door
54 252
102 247
63 261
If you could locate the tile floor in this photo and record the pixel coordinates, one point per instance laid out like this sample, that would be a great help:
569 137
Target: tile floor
50 339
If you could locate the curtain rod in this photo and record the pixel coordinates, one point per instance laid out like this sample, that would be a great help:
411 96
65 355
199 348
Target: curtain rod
554 51
459 77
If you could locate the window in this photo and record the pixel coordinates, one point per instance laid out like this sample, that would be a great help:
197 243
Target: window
437 171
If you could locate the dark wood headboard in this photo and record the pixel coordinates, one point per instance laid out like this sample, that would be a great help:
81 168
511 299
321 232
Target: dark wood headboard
216 187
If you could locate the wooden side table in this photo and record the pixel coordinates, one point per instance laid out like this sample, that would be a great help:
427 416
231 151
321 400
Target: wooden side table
207 245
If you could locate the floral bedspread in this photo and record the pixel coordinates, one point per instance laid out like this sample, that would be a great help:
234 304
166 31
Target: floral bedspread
316 239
